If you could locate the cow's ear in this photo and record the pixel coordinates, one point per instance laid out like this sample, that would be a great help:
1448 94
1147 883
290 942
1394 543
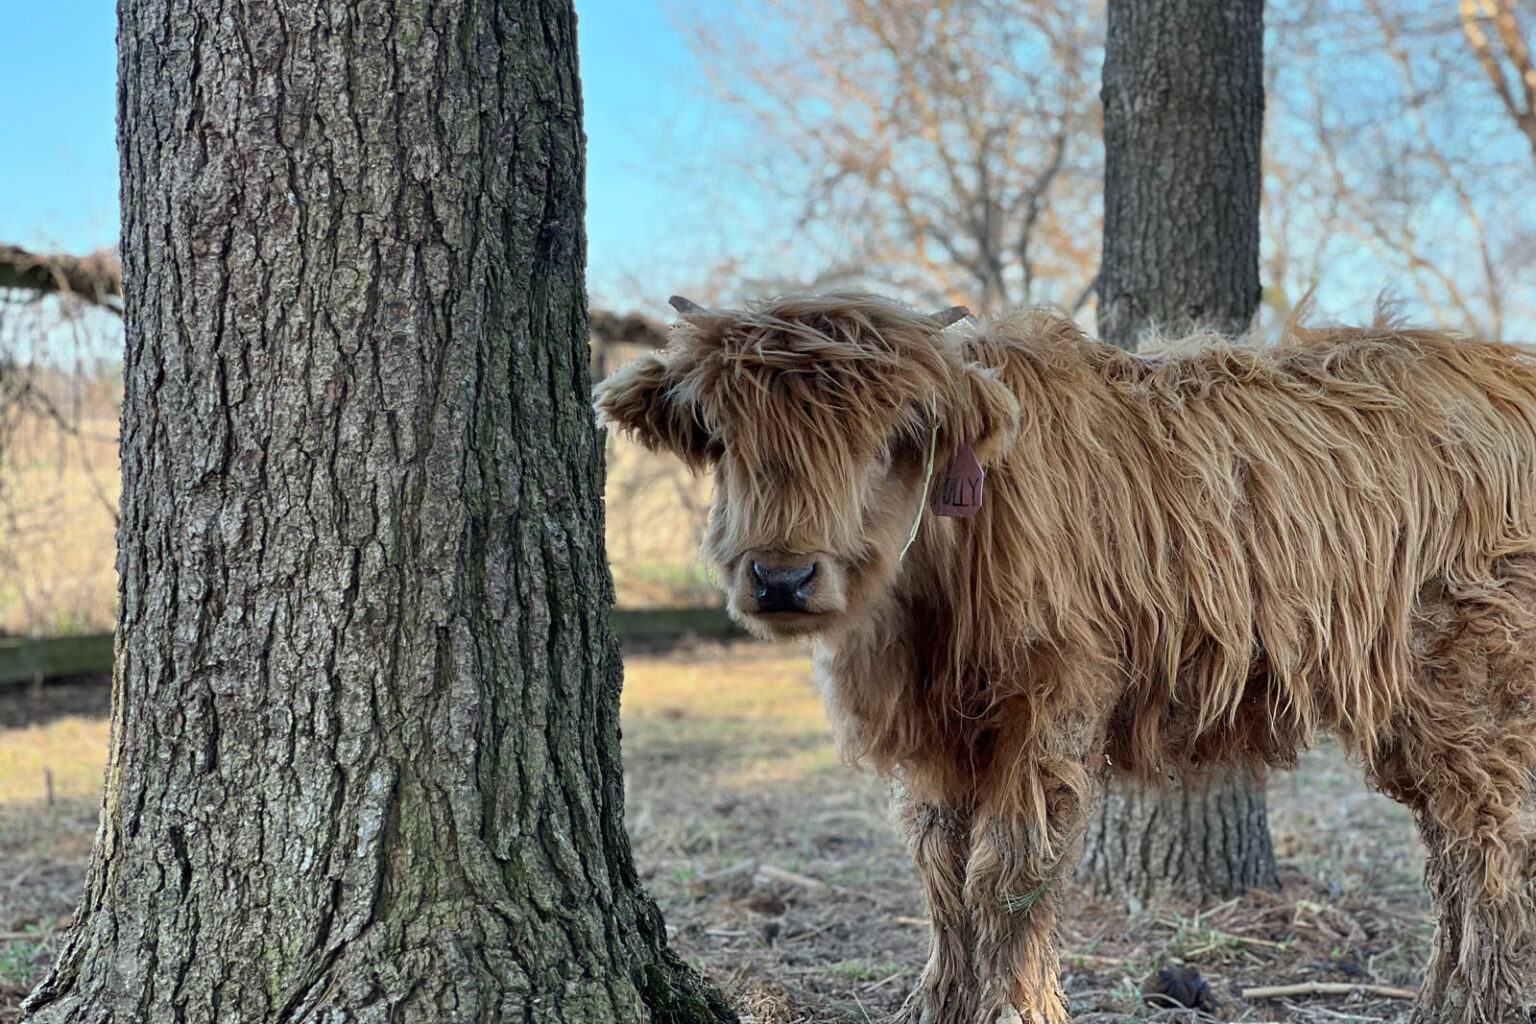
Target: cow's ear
643 399
984 412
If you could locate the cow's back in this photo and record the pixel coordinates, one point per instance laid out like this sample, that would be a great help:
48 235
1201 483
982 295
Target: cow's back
1252 529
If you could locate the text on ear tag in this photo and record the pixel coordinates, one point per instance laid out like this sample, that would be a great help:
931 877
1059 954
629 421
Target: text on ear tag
958 491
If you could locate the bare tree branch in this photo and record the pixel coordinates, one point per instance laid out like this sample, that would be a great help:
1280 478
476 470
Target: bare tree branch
1501 14
626 328
96 277
941 148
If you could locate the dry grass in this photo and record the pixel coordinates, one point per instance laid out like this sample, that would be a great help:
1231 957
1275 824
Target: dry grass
58 502
58 759
657 512
45 840
781 874
43 853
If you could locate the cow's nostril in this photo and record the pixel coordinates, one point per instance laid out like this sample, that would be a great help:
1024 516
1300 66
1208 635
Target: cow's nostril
782 589
798 578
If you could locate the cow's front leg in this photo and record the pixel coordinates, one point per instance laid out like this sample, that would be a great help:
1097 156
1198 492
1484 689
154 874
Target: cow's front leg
939 837
1022 849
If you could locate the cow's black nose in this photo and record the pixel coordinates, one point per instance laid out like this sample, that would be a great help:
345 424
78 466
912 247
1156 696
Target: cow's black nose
783 590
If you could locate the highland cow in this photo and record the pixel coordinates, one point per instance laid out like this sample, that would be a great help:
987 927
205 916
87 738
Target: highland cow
1023 557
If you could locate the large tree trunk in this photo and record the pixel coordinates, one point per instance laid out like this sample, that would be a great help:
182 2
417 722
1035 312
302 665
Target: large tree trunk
1183 95
1194 841
365 743
1183 119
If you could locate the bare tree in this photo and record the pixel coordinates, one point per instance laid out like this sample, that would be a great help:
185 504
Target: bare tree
1493 30
1399 157
96 277
60 348
915 148
945 150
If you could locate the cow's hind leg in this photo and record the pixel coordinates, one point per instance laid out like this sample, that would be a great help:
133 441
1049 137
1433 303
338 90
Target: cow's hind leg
1021 854
939 837
1480 967
1460 751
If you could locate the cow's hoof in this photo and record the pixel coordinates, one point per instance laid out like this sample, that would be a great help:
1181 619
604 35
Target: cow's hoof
936 1004
922 1007
1010 1014
917 1011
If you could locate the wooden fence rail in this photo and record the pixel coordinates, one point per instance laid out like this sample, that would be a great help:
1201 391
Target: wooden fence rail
24 659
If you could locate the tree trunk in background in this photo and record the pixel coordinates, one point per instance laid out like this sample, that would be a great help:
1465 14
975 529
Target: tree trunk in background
1183 119
365 741
1183 97
1209 838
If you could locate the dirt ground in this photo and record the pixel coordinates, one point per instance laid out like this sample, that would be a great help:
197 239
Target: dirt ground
783 878
781 872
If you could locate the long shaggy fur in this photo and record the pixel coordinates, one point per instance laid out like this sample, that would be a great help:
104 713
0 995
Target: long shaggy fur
1197 558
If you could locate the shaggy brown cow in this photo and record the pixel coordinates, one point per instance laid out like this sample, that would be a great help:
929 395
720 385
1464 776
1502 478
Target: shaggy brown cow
1177 562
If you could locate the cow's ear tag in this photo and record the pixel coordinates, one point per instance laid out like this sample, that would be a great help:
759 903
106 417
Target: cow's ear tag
958 492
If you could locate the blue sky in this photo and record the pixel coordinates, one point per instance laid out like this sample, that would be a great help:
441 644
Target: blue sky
658 219
58 161
58 153
644 98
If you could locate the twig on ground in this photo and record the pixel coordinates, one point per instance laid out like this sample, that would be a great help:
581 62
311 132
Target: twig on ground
37 935
1327 988
801 936
753 871
1352 1016
884 981
776 874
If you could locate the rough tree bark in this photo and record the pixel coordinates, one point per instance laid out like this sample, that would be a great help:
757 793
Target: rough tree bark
365 742
1183 96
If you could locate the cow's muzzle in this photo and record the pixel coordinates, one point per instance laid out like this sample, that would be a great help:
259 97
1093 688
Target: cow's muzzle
782 588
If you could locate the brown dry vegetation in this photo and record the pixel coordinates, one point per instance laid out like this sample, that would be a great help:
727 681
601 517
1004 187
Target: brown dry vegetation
781 874
58 503
656 515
